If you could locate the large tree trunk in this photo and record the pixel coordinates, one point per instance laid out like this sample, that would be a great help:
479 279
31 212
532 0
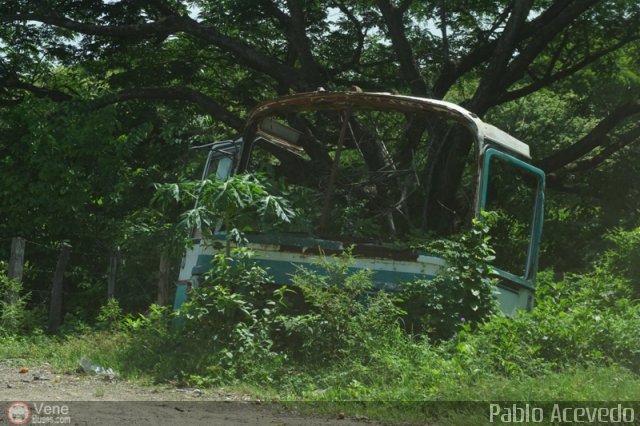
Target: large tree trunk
444 175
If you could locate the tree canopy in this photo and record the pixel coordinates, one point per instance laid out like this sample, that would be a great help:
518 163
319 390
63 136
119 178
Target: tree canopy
100 99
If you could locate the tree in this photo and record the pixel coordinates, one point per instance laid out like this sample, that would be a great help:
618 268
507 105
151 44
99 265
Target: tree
85 175
225 56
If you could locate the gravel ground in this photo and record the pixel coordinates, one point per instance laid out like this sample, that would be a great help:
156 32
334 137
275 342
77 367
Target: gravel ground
105 400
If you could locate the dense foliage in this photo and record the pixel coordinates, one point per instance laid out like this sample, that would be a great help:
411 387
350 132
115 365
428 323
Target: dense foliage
104 108
327 338
99 101
463 293
591 319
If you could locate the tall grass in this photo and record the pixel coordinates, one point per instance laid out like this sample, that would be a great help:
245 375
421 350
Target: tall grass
329 339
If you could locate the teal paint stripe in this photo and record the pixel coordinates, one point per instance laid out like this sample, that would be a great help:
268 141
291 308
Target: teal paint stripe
181 296
281 271
514 278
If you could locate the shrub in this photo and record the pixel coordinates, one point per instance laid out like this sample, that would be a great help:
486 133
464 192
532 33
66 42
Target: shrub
110 316
238 325
585 319
228 321
624 259
343 316
462 294
239 203
13 305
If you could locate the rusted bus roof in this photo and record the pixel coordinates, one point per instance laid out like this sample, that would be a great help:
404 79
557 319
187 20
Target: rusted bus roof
328 101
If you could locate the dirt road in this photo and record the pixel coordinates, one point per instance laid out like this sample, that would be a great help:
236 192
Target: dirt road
103 400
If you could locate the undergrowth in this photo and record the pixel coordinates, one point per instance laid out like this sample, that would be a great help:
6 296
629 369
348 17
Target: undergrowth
328 337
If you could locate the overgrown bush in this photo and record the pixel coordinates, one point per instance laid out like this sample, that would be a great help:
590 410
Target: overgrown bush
240 203
13 305
588 319
344 317
220 334
110 316
238 325
329 335
232 314
624 259
461 294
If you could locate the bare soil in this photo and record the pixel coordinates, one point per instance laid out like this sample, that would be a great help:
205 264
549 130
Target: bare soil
107 400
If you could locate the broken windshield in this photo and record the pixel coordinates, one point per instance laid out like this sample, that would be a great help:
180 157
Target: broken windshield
361 172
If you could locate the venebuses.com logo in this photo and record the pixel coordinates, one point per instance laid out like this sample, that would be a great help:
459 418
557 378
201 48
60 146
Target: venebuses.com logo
18 413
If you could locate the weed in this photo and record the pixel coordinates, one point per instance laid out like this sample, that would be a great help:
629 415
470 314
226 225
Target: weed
110 316
463 294
329 338
13 305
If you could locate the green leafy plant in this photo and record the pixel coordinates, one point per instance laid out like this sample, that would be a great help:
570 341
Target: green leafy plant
624 259
230 317
110 316
237 324
343 316
462 293
588 319
13 305
238 204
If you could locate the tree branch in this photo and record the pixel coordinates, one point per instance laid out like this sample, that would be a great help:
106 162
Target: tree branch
244 53
300 41
594 139
499 20
626 139
247 55
163 7
41 92
354 62
207 104
543 37
447 78
163 26
555 57
552 78
404 6
293 26
502 54
445 38
409 70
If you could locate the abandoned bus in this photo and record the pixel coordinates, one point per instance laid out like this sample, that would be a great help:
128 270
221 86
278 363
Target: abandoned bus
361 167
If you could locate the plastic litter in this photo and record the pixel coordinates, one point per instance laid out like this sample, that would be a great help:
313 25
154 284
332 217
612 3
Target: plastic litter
88 367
